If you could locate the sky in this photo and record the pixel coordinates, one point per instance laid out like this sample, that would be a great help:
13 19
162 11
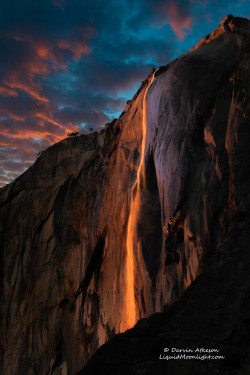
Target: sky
71 65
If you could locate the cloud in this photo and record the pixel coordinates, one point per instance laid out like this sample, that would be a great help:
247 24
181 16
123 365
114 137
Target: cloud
176 13
16 155
67 66
27 109
7 91
78 42
59 3
22 69
180 21
37 58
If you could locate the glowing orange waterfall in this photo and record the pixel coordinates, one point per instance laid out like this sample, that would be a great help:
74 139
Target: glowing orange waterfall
130 313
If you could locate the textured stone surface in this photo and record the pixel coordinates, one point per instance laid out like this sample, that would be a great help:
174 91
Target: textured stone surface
64 236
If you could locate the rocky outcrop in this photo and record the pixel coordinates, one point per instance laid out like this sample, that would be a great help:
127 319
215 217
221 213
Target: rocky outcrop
106 229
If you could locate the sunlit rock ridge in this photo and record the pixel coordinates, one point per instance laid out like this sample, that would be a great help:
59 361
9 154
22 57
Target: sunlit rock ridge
151 215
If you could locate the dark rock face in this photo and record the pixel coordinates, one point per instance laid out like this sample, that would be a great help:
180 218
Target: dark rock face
106 229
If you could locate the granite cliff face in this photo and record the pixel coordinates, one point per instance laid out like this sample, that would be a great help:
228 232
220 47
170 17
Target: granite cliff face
106 229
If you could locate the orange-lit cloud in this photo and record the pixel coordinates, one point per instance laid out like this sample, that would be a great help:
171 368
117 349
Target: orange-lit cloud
23 76
13 82
7 91
44 57
78 43
78 48
179 21
27 123
30 134
59 3
44 117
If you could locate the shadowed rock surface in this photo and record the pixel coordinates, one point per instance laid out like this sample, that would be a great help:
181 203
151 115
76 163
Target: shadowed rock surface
63 229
